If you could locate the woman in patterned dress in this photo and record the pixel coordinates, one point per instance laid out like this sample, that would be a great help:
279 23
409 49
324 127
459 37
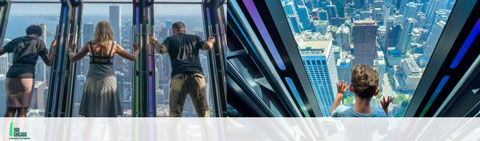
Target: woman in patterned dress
100 96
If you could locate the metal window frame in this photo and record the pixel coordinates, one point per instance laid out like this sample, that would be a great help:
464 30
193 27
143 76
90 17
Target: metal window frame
215 25
62 75
66 107
5 6
144 67
105 2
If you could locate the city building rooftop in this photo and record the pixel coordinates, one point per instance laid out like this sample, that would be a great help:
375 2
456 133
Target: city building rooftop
365 22
412 65
315 47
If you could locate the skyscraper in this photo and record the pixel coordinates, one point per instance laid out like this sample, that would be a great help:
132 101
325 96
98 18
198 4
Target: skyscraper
332 11
321 26
392 35
294 23
289 8
402 5
410 75
88 31
364 41
380 66
404 40
387 11
432 7
3 94
315 14
358 4
115 15
343 67
441 15
433 38
343 37
299 2
344 73
168 24
410 10
323 14
304 17
319 61
421 17
340 8
3 64
40 71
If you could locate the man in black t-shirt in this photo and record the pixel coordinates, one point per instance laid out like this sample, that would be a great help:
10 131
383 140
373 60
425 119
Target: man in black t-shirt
187 76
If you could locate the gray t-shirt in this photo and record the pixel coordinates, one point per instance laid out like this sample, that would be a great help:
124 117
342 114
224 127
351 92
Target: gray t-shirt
347 111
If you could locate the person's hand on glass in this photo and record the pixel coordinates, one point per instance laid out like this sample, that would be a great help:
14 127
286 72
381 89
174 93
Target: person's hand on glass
342 87
211 39
136 46
72 47
152 39
385 102
209 43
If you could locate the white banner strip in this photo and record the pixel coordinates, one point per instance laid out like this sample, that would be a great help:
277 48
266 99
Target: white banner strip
242 129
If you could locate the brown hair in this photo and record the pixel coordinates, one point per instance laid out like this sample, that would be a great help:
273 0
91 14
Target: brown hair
364 80
103 33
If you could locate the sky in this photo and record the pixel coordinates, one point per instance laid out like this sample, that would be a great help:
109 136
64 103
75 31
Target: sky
118 0
102 9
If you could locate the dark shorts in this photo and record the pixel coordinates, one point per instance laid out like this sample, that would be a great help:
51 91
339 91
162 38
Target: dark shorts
21 71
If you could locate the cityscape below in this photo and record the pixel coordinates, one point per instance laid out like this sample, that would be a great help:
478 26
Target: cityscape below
121 20
396 37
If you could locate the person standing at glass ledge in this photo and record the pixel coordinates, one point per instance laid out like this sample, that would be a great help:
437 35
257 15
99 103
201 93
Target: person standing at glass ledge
364 85
100 97
21 75
187 75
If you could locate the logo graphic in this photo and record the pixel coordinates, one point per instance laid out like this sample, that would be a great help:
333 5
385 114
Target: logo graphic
14 132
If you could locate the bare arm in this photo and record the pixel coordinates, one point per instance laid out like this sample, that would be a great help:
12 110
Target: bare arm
48 58
80 54
122 52
342 87
208 45
161 48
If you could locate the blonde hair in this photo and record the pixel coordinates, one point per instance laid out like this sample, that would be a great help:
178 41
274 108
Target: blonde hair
103 33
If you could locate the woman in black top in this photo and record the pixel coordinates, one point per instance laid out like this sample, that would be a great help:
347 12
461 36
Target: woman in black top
21 75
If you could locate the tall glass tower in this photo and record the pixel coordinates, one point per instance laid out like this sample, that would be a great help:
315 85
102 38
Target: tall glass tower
116 21
319 61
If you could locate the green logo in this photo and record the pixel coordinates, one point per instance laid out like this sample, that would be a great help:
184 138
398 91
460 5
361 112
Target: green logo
14 133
